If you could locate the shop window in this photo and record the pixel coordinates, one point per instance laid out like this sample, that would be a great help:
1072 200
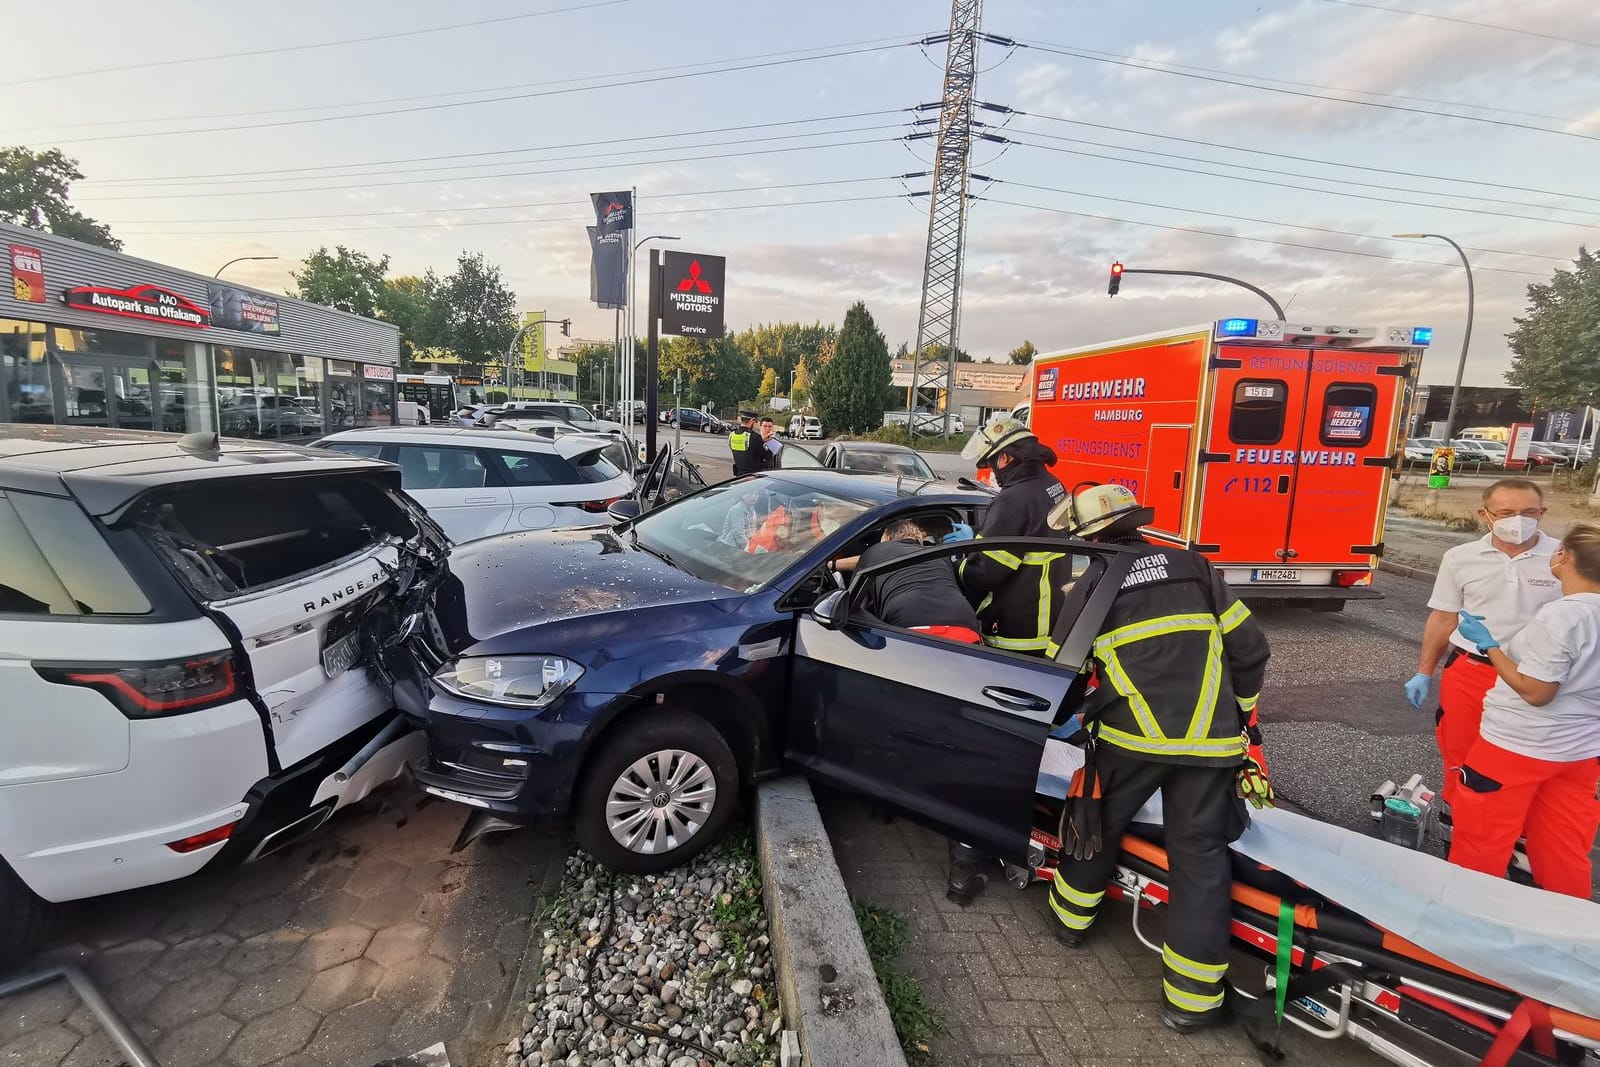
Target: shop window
377 404
344 395
26 393
185 404
1260 409
100 342
1347 411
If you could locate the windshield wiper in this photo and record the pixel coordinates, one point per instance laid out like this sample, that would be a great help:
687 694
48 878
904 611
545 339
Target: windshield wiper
656 552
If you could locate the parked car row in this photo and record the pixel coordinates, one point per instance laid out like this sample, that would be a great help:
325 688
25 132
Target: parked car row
1541 454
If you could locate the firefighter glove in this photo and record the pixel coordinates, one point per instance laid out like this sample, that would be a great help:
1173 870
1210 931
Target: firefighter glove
1472 628
1252 782
1417 688
1084 802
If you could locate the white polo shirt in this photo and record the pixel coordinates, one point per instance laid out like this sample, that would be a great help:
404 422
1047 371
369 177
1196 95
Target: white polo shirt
1562 645
1505 590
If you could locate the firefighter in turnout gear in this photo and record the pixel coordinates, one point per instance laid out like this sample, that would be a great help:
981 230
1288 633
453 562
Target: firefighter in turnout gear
1179 664
1016 596
749 451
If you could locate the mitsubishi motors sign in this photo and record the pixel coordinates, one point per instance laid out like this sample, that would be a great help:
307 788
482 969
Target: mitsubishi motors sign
691 301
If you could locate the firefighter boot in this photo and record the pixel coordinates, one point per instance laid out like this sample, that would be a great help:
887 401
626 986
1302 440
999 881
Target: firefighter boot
1190 1022
967 879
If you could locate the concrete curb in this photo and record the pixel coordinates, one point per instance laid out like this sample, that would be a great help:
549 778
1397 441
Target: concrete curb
826 984
1406 572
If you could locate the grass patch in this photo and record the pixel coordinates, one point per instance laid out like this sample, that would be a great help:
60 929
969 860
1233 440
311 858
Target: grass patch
916 1021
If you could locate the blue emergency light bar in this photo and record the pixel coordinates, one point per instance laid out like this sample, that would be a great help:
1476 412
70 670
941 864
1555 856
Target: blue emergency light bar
1236 328
1422 335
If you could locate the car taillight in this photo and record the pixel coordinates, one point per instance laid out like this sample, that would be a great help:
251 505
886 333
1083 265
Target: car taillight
1346 579
598 507
152 690
208 837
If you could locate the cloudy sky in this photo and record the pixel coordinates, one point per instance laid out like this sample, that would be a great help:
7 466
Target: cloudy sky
775 133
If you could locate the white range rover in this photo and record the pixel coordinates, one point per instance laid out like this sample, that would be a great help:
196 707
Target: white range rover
189 636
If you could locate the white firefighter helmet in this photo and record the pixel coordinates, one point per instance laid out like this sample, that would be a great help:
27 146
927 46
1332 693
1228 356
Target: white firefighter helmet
1000 432
1091 509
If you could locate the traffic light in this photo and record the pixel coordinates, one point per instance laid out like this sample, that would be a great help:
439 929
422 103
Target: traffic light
1116 279
566 327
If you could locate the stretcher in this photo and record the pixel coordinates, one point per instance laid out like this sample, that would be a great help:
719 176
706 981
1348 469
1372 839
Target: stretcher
1341 935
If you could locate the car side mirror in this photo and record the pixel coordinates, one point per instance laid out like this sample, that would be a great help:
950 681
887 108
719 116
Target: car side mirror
832 611
623 510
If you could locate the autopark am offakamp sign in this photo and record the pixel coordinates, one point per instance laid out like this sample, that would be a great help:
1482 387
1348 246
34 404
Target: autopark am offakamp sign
691 303
139 302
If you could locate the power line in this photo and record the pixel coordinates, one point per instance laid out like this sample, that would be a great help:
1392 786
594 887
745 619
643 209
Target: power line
286 171
1235 81
488 100
1479 198
455 208
447 170
1465 22
1304 188
1252 240
1264 222
513 174
305 47
120 122
562 219
1292 156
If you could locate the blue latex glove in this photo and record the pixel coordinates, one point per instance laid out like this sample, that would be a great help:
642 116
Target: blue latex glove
1417 689
958 532
1472 628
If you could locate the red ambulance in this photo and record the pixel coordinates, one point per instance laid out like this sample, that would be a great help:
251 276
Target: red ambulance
1266 445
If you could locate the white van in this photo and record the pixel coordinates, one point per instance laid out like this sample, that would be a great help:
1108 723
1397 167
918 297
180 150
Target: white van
805 426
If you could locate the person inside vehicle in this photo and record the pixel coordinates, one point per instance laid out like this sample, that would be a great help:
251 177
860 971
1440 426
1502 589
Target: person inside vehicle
793 527
1179 664
1535 767
743 519
749 455
1016 596
921 596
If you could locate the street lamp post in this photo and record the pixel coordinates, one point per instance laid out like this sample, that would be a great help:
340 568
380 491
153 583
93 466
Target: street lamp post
626 385
1466 334
240 259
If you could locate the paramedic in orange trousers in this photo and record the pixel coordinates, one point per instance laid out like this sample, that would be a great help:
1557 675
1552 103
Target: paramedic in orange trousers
1504 577
1534 769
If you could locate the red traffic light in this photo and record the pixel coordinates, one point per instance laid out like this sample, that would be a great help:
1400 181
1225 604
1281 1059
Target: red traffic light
1116 268
1116 279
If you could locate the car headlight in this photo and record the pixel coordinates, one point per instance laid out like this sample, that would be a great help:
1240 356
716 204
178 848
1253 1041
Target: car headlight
512 681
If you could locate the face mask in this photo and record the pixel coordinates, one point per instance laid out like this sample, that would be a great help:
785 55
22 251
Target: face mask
1515 529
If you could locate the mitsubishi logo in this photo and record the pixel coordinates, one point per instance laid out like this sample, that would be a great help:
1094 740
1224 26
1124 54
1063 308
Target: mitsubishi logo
694 281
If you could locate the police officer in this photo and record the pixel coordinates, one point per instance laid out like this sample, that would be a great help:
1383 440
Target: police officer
1179 665
1016 596
749 454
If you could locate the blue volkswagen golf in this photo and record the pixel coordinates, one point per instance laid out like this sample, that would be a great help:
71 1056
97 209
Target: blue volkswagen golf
632 679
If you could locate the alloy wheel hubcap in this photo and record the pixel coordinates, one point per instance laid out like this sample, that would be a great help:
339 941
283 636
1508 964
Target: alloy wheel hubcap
660 801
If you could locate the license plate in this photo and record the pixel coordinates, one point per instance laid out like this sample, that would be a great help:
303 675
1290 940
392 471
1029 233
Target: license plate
1275 574
341 655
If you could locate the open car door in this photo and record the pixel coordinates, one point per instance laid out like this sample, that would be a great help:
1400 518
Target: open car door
949 733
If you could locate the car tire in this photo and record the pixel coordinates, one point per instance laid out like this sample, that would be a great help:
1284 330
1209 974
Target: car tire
635 759
25 919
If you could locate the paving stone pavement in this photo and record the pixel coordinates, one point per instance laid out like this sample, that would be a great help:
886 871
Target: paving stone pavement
368 940
1013 997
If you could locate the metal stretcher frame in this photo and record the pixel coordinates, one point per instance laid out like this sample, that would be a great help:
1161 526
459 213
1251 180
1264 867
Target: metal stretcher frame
1462 1012
116 1027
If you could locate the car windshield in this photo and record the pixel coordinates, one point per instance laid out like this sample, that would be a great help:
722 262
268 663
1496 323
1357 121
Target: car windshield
742 534
899 464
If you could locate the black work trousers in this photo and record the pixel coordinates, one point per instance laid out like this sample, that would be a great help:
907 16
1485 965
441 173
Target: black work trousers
1202 816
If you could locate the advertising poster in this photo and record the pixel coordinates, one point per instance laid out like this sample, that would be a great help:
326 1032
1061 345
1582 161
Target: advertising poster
237 309
27 274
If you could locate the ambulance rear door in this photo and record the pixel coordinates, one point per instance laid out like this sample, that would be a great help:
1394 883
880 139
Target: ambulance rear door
1346 452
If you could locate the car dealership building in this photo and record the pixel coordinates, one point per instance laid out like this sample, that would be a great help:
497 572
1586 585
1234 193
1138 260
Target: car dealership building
90 337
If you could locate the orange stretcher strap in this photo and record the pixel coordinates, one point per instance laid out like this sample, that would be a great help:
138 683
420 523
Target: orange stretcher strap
1530 1019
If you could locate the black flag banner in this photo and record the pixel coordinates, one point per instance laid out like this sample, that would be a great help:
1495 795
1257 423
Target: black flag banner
608 267
613 212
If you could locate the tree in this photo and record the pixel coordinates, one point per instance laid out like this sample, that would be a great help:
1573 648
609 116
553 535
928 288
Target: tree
33 193
414 305
344 279
595 368
853 388
769 384
939 353
800 390
715 372
1023 354
480 312
1556 347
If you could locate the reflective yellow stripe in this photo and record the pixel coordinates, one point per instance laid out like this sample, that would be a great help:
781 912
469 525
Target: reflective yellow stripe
1190 1001
1235 615
1077 896
1199 972
1199 747
1018 644
1248 703
1041 559
1166 624
1004 558
1118 677
1071 919
1205 708
1043 621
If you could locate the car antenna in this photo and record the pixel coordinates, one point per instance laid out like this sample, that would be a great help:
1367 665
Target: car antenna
203 442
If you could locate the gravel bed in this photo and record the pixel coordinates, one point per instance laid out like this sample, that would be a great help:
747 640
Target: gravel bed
686 956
